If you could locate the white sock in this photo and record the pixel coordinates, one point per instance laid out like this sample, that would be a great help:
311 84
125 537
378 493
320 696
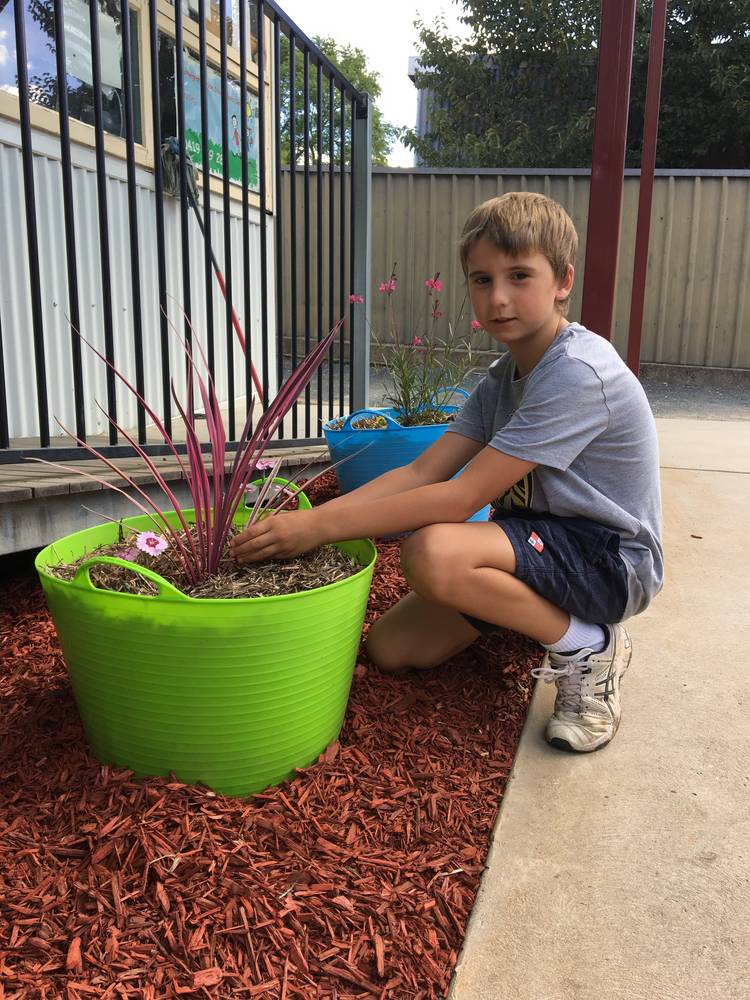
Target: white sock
580 635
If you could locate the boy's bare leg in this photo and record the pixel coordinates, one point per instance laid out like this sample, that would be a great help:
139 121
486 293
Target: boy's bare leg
417 633
454 568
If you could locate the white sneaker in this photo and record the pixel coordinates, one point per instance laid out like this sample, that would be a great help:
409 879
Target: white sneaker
587 708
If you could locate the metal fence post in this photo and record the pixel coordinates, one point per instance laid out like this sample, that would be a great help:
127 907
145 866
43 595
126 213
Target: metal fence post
359 316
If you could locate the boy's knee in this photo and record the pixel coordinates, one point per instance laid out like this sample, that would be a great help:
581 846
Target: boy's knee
426 560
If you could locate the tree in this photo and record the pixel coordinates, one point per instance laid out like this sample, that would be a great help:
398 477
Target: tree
704 119
521 91
352 62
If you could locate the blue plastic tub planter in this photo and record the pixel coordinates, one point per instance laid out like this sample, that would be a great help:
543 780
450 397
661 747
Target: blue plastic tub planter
366 454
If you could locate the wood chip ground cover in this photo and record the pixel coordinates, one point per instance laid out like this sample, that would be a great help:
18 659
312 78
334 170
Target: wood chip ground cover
355 879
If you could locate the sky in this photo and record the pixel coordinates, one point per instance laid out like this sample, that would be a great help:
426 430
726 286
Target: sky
386 33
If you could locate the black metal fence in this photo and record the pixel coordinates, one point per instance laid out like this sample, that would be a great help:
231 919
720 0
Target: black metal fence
309 169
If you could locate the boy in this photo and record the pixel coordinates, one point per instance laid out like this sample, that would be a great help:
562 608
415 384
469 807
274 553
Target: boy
560 437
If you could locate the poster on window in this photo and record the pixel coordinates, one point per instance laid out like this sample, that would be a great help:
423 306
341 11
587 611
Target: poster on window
194 131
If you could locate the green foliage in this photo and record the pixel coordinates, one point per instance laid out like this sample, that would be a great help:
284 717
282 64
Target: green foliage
704 119
352 62
521 91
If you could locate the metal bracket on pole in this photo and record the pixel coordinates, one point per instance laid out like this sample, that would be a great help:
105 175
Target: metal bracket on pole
361 228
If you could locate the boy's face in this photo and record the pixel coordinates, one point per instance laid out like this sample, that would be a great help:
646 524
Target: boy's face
516 299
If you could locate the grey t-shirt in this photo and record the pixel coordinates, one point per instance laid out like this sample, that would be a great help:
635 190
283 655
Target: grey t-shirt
584 417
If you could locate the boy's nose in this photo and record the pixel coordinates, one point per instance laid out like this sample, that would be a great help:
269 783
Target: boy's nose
499 294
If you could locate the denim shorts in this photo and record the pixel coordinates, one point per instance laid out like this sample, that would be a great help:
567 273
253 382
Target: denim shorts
573 562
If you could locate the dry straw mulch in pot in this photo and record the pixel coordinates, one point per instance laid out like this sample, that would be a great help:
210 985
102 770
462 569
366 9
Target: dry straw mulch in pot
355 879
272 578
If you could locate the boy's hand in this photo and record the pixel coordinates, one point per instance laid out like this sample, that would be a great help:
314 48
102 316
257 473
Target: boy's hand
279 536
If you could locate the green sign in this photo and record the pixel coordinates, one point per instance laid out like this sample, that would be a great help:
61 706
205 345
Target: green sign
194 130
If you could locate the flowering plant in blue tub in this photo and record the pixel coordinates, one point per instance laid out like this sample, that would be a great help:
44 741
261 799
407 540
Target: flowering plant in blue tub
423 368
423 375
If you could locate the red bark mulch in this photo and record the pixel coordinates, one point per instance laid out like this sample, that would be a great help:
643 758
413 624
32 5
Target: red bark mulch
353 880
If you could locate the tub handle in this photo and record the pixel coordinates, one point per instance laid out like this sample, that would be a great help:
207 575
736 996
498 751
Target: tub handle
374 413
82 577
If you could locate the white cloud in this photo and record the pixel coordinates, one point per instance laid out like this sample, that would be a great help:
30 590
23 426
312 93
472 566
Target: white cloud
4 53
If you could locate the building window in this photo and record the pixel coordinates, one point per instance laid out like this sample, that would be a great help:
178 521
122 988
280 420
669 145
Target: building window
190 9
193 121
42 66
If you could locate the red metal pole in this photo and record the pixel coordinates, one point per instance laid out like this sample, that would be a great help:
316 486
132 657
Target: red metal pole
608 164
646 186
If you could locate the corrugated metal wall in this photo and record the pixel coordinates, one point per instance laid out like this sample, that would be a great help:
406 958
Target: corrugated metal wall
697 309
15 303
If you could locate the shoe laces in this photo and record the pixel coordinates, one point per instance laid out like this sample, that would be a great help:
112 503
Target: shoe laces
569 679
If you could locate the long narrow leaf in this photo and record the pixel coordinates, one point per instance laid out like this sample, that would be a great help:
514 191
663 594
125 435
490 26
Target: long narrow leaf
265 490
217 441
124 476
271 419
152 413
160 480
218 438
301 487
287 395
159 524
199 477
200 488
158 520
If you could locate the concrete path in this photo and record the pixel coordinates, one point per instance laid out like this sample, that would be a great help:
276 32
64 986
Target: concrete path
626 873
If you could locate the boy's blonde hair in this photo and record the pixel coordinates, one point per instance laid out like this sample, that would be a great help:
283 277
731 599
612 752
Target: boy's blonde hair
521 222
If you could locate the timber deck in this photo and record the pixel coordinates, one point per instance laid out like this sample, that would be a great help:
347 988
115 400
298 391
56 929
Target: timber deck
33 481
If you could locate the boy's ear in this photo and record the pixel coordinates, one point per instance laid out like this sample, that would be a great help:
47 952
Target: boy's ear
566 287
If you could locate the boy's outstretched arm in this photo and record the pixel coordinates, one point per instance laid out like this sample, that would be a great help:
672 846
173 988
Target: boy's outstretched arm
440 461
288 534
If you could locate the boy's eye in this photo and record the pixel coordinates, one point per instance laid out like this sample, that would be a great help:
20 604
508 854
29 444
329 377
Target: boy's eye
519 275
481 279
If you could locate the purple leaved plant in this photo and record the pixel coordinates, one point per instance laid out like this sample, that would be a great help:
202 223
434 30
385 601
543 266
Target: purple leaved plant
217 495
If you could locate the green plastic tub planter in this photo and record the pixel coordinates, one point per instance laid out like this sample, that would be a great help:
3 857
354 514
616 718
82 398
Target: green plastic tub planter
367 454
232 693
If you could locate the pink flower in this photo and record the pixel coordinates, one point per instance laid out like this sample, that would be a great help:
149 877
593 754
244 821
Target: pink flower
436 314
435 284
476 325
149 541
416 342
263 464
383 287
357 298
